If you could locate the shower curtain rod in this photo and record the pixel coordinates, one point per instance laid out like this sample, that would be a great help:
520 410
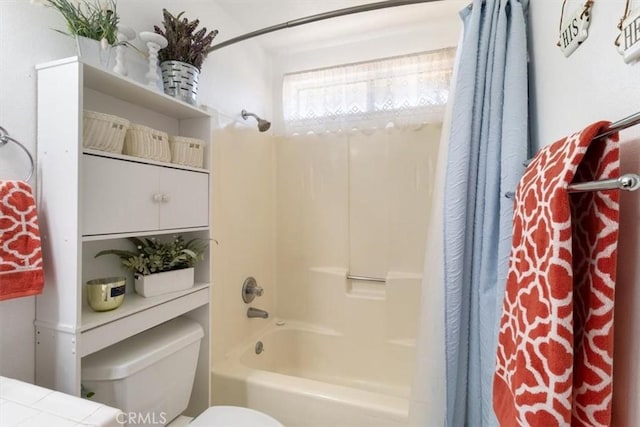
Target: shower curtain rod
318 17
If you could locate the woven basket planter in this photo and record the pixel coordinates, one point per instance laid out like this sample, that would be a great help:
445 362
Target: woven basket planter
187 151
143 141
103 132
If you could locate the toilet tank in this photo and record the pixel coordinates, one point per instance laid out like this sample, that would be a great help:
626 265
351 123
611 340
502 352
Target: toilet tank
149 375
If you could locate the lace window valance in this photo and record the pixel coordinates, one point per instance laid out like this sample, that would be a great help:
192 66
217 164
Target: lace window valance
405 90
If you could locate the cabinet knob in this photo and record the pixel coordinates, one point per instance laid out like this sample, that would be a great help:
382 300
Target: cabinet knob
165 198
158 197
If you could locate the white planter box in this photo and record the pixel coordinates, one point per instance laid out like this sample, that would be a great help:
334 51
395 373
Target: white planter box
91 52
165 282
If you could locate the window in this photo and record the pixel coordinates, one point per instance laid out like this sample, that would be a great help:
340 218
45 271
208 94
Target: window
404 90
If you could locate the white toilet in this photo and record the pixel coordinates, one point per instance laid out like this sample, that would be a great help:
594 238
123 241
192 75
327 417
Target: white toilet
150 375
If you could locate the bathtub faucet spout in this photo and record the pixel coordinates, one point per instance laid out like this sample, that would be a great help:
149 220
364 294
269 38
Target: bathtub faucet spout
256 312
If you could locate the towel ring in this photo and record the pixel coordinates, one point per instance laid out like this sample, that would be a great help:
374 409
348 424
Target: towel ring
4 138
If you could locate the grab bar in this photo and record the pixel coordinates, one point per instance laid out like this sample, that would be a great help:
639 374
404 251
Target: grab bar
4 138
366 278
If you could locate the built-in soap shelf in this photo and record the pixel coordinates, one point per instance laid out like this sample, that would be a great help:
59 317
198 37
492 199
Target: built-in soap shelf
364 289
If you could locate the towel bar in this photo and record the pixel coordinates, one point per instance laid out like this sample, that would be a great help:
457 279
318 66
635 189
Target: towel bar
628 182
4 138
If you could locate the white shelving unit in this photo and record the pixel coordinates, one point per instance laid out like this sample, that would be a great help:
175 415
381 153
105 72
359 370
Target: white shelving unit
90 200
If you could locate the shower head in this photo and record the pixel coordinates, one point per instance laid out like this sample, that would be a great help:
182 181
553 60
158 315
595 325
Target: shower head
263 125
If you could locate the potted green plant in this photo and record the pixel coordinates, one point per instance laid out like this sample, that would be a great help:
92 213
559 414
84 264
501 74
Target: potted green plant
181 60
158 266
94 25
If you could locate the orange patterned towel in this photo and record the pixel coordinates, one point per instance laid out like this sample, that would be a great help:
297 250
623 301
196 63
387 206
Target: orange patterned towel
20 251
555 344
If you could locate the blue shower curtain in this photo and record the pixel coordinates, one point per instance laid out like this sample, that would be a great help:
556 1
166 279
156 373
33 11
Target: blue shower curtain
487 147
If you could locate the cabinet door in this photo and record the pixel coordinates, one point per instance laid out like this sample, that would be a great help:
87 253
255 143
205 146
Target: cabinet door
118 196
185 199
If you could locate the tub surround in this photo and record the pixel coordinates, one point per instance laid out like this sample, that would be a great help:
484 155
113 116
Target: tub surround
359 204
243 217
300 215
28 405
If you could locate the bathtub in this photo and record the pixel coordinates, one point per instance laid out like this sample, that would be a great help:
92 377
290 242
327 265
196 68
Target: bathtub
312 377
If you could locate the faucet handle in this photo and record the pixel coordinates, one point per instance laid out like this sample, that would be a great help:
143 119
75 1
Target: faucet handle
250 290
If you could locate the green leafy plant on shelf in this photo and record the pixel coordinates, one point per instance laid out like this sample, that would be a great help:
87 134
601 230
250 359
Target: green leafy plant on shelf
97 19
154 256
185 44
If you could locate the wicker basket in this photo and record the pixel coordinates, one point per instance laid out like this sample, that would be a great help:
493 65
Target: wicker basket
103 131
187 151
146 142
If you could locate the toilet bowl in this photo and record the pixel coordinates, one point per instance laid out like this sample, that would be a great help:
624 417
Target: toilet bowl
233 416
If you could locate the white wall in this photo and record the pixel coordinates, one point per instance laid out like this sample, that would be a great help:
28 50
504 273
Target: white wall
592 84
566 95
25 38
233 78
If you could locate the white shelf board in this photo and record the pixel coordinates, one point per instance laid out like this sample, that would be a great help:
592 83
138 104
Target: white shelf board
141 233
135 159
110 333
132 304
131 91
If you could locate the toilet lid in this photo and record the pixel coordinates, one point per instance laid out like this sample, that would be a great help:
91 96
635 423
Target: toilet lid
233 416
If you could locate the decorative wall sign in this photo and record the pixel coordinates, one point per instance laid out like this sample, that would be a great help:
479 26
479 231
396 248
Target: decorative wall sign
575 30
628 41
